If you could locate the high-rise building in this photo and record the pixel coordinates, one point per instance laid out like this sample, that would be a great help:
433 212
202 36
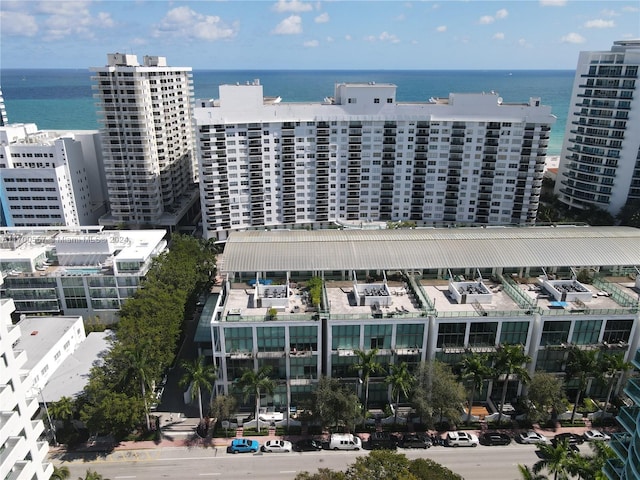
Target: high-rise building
600 162
3 112
361 157
23 450
148 146
50 178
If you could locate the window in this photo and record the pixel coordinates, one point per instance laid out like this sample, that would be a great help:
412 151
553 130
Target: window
303 338
270 339
345 337
617 331
555 333
377 336
238 339
376 100
451 335
389 100
483 334
586 332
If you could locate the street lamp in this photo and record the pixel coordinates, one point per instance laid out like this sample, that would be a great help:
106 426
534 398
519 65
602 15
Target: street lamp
52 428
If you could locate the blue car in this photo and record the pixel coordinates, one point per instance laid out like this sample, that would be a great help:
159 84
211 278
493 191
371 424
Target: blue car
241 445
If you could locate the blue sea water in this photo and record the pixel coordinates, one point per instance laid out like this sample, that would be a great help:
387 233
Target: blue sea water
63 99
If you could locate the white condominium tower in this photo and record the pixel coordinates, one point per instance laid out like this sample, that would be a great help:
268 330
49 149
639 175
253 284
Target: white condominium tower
146 115
3 112
362 157
600 162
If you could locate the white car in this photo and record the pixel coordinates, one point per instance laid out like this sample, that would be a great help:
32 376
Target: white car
461 439
271 416
532 437
274 446
593 435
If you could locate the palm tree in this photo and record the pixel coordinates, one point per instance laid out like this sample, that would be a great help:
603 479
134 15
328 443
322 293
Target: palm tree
367 365
612 366
60 473
555 459
528 474
581 365
200 376
474 369
256 383
509 361
138 367
92 475
401 380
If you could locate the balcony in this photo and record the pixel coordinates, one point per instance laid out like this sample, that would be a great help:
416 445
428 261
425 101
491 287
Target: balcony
633 390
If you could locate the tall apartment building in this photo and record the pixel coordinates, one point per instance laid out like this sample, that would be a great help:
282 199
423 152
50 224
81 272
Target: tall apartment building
50 178
361 157
23 449
147 138
600 162
3 112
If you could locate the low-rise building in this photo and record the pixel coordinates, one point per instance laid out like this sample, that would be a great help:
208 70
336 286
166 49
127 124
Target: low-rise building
417 295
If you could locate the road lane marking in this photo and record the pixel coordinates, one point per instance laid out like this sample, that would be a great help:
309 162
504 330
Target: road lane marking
204 474
126 476
288 471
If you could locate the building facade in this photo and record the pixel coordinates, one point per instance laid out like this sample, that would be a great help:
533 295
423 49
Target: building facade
361 157
147 139
23 447
49 178
3 112
421 294
84 271
600 162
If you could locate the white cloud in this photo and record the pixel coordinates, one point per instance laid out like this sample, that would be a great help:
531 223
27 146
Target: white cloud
523 42
185 22
388 37
292 6
291 25
322 18
400 17
415 42
553 3
630 9
105 19
330 39
610 13
441 28
311 43
498 36
502 13
347 38
486 20
600 23
573 38
18 24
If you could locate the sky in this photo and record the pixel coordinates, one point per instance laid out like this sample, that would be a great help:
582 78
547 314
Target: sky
314 35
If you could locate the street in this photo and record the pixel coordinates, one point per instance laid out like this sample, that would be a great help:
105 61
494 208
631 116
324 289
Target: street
481 463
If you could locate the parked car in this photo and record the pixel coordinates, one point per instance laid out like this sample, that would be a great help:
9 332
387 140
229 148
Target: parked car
593 435
243 445
307 445
532 437
281 446
495 438
344 441
382 440
571 438
270 416
461 439
415 440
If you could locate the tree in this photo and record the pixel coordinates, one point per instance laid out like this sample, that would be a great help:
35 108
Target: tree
92 475
60 472
509 362
401 380
380 465
582 365
222 406
555 459
367 365
546 394
323 474
332 403
427 469
612 366
256 383
437 392
200 376
138 368
62 410
528 474
474 369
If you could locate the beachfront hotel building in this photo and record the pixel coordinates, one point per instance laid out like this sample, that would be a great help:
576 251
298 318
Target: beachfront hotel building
84 271
50 178
600 162
23 446
147 139
3 112
361 157
420 294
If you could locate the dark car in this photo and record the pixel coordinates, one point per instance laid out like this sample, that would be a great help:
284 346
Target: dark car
414 440
495 438
382 441
571 438
307 445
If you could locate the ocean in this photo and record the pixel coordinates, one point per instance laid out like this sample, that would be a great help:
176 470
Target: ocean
63 99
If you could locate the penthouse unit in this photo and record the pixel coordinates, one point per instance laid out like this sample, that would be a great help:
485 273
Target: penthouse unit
75 271
362 157
147 140
50 178
420 294
600 162
23 448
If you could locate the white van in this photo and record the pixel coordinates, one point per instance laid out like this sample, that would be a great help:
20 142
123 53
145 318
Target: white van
344 441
